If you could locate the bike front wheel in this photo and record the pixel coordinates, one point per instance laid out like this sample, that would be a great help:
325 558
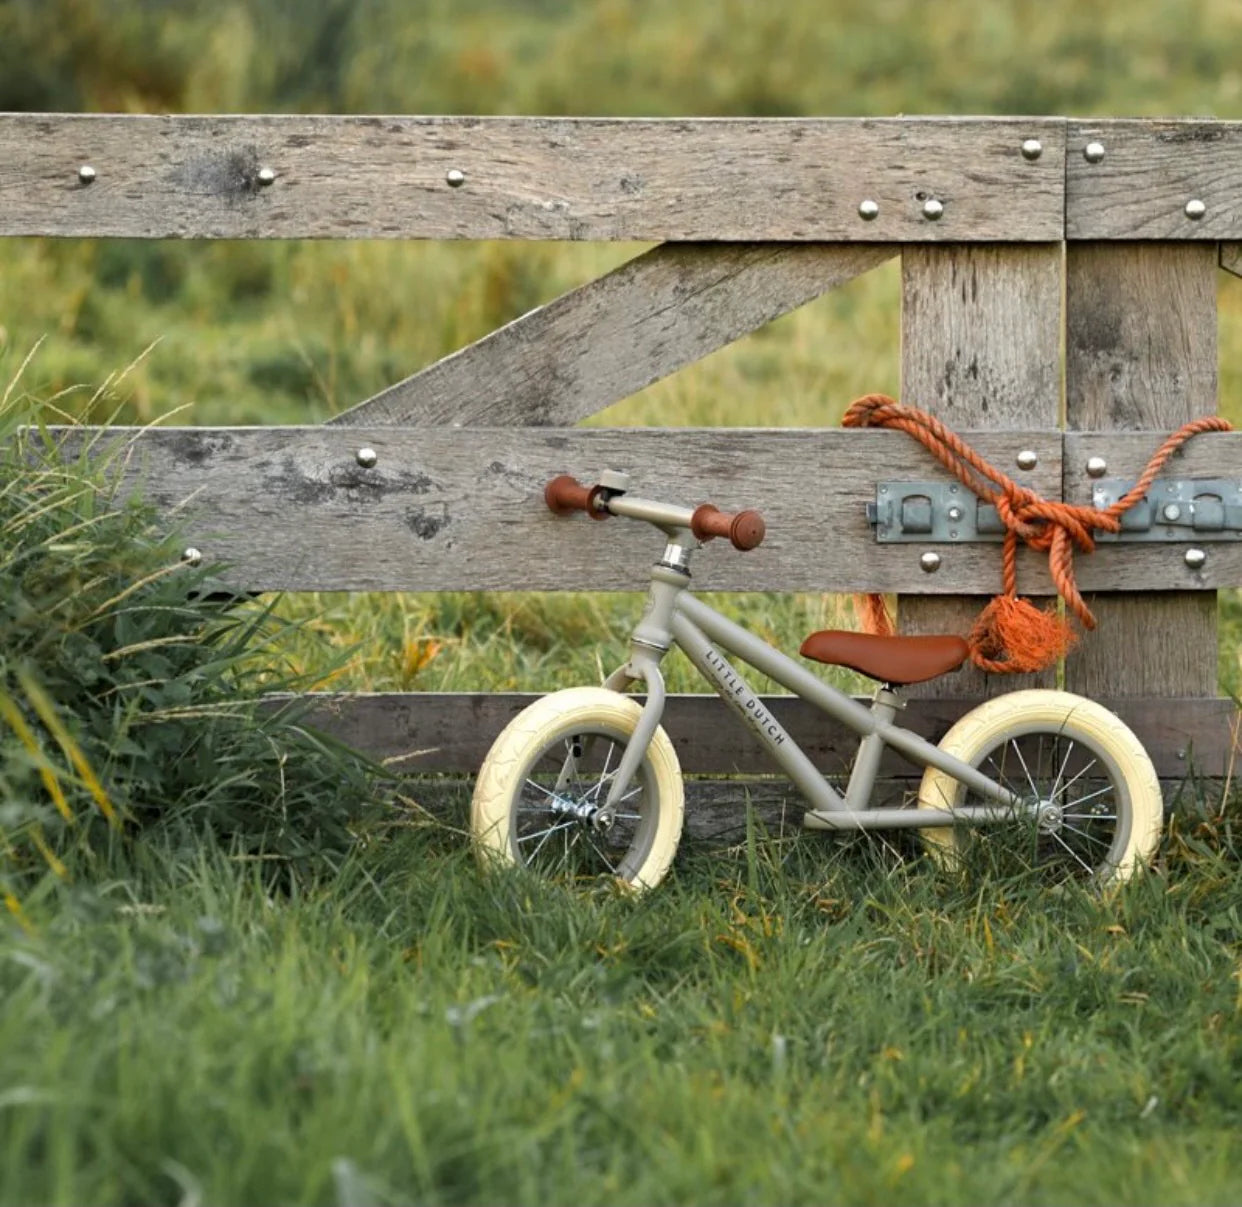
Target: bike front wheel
1094 809
539 795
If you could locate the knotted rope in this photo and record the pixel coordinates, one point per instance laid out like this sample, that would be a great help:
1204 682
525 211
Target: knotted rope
1011 635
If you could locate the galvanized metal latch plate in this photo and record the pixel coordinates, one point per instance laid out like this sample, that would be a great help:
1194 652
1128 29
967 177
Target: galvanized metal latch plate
931 512
1175 509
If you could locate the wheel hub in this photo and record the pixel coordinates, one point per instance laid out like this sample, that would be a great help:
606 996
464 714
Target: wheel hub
598 817
1049 817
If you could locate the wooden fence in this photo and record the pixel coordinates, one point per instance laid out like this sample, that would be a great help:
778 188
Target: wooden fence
1059 296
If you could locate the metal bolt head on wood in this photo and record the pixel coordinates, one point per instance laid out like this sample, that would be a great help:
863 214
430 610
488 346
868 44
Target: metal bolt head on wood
868 210
192 556
266 177
1093 152
1195 558
87 174
1028 459
1097 467
455 178
1032 149
929 563
1195 209
932 209
366 457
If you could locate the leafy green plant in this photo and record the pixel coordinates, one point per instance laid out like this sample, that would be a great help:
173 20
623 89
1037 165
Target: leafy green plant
131 691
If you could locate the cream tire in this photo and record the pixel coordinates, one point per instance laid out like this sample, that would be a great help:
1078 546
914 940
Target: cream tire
550 769
1104 810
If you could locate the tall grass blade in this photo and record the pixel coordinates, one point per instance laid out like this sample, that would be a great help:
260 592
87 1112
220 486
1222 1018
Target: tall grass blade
17 723
47 714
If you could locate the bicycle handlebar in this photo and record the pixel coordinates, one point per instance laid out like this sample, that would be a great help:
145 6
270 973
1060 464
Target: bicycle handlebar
744 529
565 494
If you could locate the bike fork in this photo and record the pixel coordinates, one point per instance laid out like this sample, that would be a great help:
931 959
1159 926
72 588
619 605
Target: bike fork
642 666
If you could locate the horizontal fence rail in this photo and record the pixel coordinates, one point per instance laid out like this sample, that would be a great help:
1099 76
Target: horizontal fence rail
789 179
531 178
291 508
1153 179
433 733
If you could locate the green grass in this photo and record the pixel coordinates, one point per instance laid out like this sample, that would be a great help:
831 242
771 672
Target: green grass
798 1024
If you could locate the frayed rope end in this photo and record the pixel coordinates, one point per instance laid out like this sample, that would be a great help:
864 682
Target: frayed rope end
1013 636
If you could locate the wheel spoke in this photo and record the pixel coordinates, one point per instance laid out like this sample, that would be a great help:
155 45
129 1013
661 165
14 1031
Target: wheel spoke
1087 836
604 776
562 826
1092 795
1081 774
1074 854
1056 784
607 862
1029 779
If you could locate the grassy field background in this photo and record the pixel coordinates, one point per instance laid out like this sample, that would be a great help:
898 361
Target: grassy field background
240 1001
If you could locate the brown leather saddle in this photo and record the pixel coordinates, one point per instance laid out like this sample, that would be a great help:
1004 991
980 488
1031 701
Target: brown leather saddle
897 660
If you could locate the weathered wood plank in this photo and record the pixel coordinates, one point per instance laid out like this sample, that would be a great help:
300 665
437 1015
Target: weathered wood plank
605 341
1147 175
429 732
734 179
1141 353
290 508
1139 567
981 347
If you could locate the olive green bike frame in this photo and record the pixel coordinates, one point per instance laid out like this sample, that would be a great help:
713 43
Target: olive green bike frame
674 617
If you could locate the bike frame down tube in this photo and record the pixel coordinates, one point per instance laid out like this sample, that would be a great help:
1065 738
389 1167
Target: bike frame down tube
695 626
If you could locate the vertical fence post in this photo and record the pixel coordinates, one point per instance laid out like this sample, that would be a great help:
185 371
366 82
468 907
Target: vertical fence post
1141 353
980 347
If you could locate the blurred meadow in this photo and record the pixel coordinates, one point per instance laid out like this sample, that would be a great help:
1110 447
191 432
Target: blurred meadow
278 996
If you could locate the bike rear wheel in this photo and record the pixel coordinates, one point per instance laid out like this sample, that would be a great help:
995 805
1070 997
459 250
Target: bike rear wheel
1096 810
539 795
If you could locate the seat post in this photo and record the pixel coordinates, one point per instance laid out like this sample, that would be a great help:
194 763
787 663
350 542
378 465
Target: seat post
884 707
887 702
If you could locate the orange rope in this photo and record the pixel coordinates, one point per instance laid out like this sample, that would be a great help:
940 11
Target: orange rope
1012 635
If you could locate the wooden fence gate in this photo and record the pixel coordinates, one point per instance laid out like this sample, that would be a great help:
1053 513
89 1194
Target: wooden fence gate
1058 297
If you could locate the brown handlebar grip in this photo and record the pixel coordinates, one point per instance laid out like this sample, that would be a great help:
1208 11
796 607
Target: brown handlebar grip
745 530
565 494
